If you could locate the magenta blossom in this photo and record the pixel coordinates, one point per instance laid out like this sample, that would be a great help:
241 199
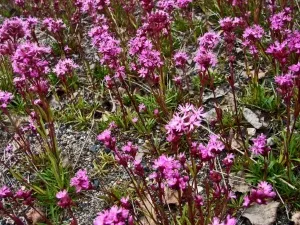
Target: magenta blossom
209 40
54 26
260 195
64 67
80 181
259 146
5 192
106 138
180 59
64 199
187 119
113 216
5 99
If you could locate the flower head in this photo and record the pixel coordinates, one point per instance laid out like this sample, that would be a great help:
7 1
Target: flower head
80 181
64 199
113 216
65 67
259 146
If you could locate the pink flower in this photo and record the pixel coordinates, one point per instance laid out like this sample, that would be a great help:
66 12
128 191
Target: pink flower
28 60
13 29
157 22
228 160
205 59
5 192
5 99
142 107
106 138
184 121
214 144
113 216
279 51
177 80
259 146
64 67
285 85
228 24
281 19
107 45
295 69
80 181
251 35
209 40
54 26
259 195
168 169
183 3
64 199
135 120
180 59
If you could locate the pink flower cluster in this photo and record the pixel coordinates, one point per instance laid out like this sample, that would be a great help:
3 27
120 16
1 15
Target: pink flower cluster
156 23
106 138
209 152
65 67
13 29
168 169
259 146
5 99
205 56
251 35
114 216
148 59
228 221
54 26
28 60
22 195
180 59
285 85
107 46
64 199
281 20
11 32
80 181
260 195
187 119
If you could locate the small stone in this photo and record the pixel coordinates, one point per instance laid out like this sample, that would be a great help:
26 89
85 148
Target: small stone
94 148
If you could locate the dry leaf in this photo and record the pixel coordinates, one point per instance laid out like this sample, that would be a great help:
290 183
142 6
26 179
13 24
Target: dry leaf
252 118
238 183
262 214
147 207
296 218
36 216
171 197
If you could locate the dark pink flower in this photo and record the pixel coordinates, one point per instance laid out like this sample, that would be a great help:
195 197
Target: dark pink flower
64 199
54 26
5 192
80 181
113 216
64 67
260 195
180 59
259 146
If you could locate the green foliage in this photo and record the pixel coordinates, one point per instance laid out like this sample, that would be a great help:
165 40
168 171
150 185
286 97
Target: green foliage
276 175
80 113
103 163
6 75
258 95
